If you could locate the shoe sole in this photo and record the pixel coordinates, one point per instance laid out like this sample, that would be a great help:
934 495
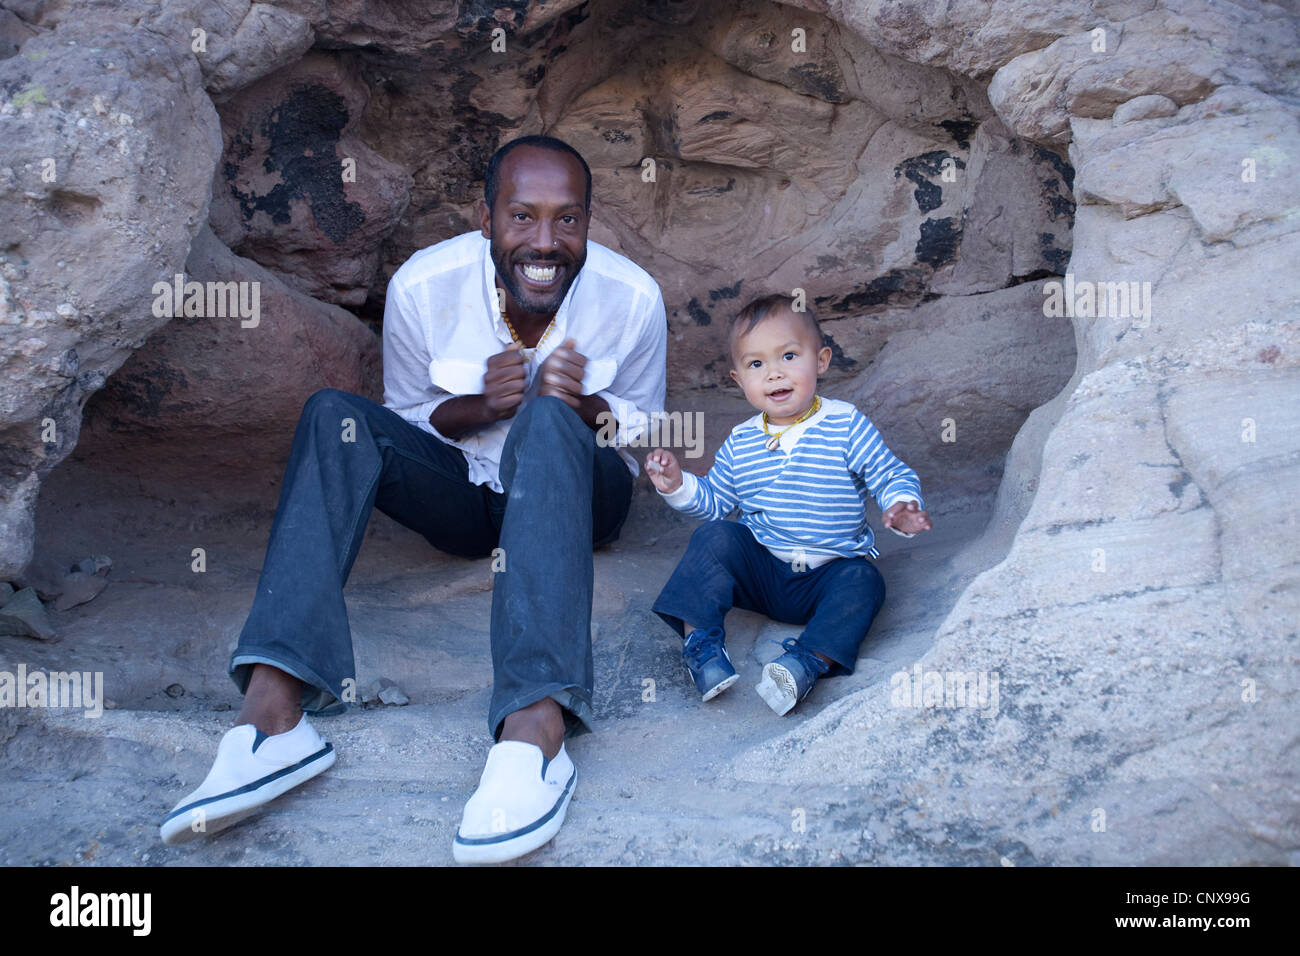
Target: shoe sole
727 682
511 846
225 810
778 689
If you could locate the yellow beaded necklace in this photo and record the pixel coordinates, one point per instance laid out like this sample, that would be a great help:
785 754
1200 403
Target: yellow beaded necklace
774 441
528 352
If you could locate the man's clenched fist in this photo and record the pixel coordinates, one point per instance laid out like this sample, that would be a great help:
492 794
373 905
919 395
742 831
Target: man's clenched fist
504 381
562 373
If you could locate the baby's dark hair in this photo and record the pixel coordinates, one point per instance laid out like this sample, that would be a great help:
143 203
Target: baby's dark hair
758 310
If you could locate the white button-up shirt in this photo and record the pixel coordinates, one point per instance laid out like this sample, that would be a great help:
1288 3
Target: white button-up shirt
441 324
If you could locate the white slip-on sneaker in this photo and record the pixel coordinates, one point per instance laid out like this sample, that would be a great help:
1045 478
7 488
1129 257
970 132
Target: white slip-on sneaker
519 804
251 769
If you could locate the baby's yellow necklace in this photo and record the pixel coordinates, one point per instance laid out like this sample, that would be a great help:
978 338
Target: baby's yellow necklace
774 441
528 352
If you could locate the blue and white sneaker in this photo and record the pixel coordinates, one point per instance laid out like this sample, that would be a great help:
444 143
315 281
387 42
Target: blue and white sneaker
706 658
790 678
519 804
251 769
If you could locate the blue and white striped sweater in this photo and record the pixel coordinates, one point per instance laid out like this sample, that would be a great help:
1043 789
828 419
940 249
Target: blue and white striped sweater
808 497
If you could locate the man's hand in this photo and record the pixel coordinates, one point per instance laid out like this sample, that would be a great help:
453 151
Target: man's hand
663 470
503 383
503 391
907 518
561 374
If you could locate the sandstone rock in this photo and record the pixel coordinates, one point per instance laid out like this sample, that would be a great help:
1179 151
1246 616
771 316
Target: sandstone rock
209 398
252 40
298 191
234 42
383 690
13 33
1090 74
110 149
45 575
79 588
1148 106
989 360
100 565
23 615
1227 169
1017 214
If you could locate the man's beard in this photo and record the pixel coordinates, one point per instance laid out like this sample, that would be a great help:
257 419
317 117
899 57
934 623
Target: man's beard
530 301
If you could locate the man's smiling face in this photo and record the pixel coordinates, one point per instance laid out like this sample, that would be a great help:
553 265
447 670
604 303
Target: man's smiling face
538 227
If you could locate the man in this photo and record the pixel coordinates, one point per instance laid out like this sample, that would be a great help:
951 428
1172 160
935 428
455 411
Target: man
504 351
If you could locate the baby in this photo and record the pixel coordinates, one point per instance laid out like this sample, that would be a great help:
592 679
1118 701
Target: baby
799 472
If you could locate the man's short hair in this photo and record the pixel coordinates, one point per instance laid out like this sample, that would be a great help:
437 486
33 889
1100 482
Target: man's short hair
492 182
758 310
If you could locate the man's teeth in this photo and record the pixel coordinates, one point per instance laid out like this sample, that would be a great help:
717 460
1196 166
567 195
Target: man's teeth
540 273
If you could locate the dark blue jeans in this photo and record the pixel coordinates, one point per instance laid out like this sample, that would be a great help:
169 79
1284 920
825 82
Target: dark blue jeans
563 496
725 567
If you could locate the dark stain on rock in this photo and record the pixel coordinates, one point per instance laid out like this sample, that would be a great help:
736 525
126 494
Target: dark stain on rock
713 190
668 132
615 136
896 287
1056 258
919 169
1178 484
142 393
726 292
673 12
532 78
697 312
1035 275
1078 525
960 130
1056 190
302 134
938 242
714 116
838 358
1063 169
817 81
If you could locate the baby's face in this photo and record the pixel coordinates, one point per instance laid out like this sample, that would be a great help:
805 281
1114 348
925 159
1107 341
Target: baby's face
777 364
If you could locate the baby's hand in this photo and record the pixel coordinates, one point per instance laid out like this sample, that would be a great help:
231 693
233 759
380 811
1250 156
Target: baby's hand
907 517
663 470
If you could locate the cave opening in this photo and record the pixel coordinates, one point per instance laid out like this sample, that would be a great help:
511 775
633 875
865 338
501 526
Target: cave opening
736 150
